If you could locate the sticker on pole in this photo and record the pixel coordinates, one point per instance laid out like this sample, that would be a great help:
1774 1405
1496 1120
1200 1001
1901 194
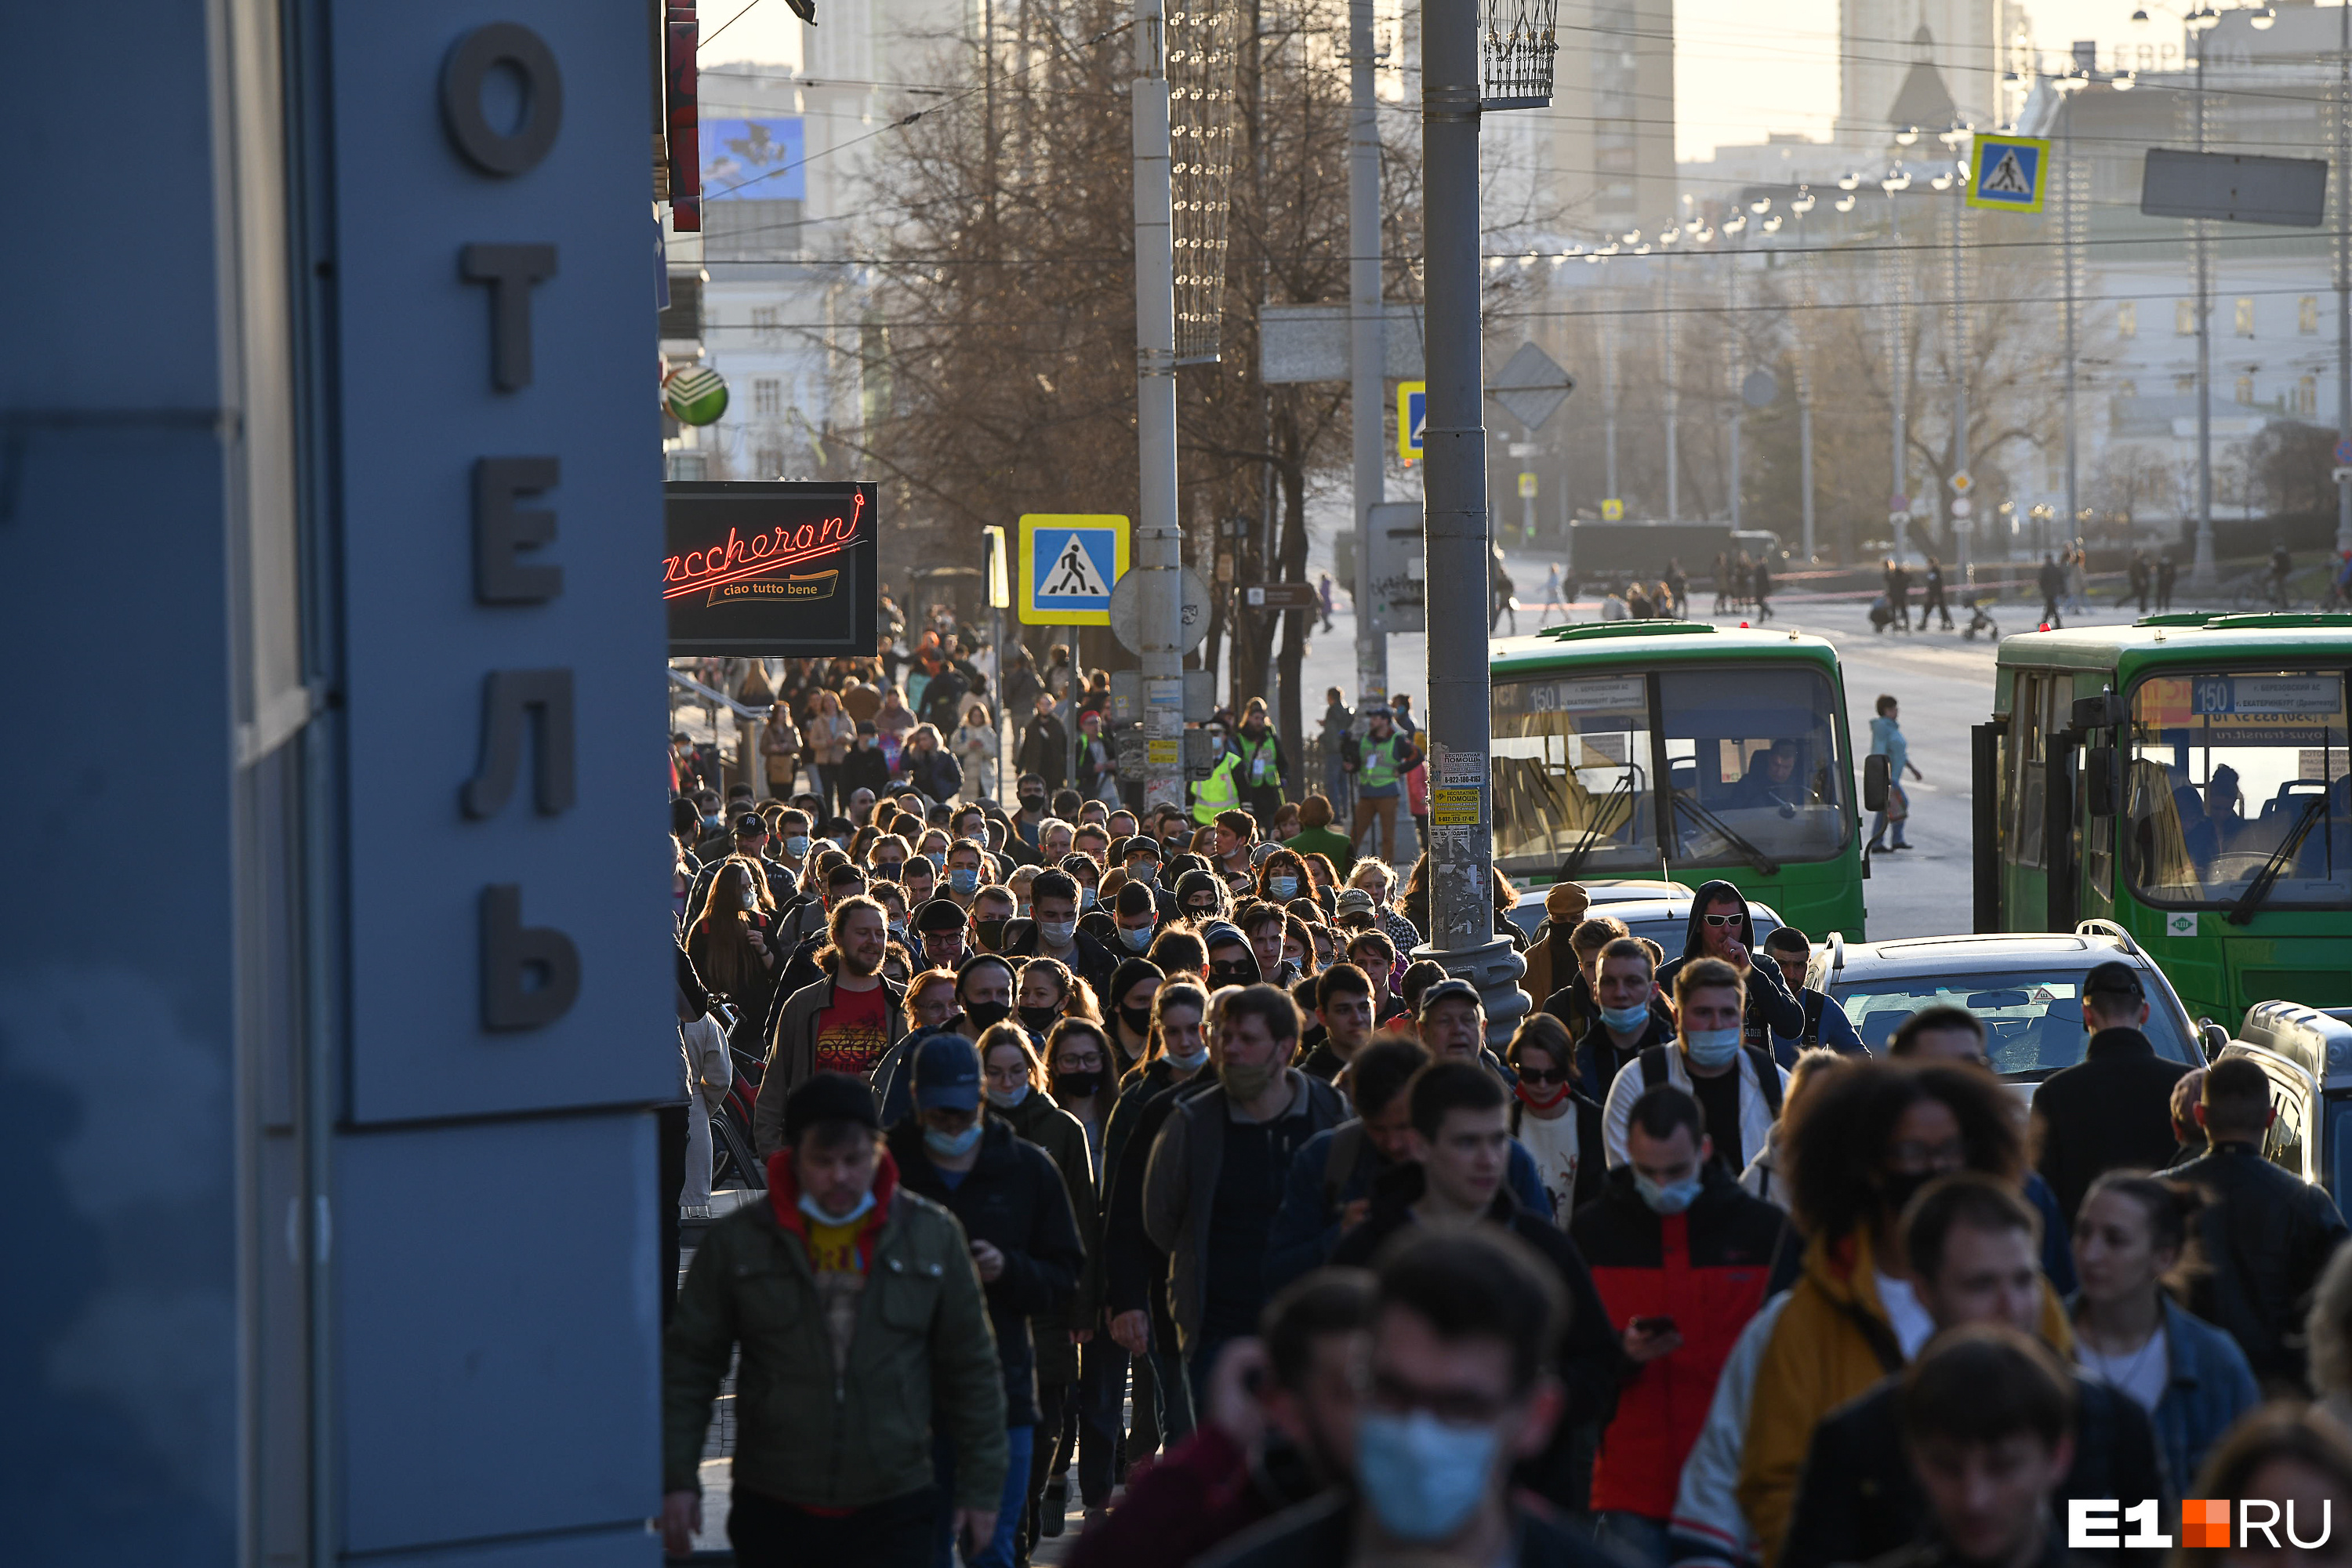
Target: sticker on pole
1412 418
2011 173
1068 565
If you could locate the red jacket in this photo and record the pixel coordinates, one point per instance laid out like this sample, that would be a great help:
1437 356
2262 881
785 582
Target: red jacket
1707 1269
1201 1494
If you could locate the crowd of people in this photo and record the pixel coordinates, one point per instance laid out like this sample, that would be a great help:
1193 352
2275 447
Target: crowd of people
1140 1145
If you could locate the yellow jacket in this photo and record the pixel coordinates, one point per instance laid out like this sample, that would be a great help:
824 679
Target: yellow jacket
1833 1343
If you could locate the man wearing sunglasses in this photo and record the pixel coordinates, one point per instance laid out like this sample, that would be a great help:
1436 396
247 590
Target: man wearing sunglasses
1720 927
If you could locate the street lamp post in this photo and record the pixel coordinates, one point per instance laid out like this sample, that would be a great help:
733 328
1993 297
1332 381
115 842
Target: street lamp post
2197 24
1896 180
1802 205
1954 139
1368 341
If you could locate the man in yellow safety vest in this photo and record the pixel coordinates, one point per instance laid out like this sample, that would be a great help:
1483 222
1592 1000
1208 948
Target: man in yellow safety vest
1378 761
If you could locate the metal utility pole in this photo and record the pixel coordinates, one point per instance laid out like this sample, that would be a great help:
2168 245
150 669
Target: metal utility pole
2342 274
1673 403
1455 527
1368 340
1607 403
1732 347
1961 526
1159 541
1899 516
1804 362
2066 269
2200 573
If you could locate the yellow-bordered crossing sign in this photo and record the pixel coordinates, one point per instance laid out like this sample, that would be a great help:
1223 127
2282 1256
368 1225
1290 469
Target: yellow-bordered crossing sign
2010 173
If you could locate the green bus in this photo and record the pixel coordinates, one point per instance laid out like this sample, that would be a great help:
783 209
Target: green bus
1748 728
2185 778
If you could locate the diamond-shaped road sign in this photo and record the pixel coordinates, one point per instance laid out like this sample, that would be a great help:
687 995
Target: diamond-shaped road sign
1530 387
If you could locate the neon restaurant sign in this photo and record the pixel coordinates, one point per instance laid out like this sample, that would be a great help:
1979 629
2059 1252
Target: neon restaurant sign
772 569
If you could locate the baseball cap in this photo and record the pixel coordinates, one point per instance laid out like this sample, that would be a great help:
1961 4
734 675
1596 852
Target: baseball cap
828 1096
2113 978
947 1073
1447 990
748 824
1354 901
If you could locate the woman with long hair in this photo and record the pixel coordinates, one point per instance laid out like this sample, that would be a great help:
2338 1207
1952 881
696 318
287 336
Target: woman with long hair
733 945
826 736
2130 1238
1378 878
1282 877
1046 991
1555 1116
976 745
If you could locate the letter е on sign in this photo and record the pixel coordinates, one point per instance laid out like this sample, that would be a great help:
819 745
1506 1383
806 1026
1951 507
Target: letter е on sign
500 496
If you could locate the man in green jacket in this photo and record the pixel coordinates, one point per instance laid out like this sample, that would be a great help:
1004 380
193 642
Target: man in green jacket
837 1282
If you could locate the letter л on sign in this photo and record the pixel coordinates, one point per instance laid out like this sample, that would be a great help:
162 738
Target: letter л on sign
501 504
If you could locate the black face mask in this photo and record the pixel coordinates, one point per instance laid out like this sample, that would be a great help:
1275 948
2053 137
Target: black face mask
986 1014
1137 1019
1079 1085
1037 1020
989 932
1897 1188
1033 803
885 870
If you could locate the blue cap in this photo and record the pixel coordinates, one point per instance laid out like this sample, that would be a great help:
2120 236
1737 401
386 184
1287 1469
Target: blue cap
947 1074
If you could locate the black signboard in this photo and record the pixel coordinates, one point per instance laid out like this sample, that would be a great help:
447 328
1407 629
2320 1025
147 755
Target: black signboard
772 568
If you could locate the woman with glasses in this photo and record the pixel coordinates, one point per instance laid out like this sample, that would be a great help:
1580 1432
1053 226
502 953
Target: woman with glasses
1558 1125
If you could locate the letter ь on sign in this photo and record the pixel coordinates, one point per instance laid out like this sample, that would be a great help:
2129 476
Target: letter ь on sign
497 504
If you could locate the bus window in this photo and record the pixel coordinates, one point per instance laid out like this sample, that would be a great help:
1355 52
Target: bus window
1573 765
1752 756
2028 808
2239 777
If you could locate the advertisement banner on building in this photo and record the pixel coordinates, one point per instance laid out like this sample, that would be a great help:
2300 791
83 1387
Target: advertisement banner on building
771 569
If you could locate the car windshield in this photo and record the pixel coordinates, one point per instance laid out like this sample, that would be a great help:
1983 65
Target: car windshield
1751 754
2238 779
2032 1018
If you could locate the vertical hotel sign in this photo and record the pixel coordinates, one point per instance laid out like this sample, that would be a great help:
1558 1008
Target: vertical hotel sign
500 493
773 569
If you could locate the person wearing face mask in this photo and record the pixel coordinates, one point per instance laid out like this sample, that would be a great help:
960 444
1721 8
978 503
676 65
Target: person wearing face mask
1557 1124
1134 918
967 871
779 1283
1970 1244
1223 1156
1875 1134
1052 932
1282 877
1298 1383
1681 1259
1628 1016
1738 1086
1459 1388
986 983
1128 1010
1023 1240
1047 990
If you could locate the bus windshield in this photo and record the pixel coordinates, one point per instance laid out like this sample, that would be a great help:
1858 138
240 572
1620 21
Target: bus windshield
2237 782
1750 756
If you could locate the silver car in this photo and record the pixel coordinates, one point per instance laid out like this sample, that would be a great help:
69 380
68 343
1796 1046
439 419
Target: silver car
1659 911
2026 988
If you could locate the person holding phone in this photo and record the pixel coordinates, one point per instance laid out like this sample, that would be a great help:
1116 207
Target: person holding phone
1682 1256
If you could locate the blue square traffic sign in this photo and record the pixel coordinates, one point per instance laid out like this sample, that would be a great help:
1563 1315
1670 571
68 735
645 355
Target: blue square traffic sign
1069 564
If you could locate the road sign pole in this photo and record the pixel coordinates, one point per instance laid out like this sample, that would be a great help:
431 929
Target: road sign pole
2343 277
1456 527
2200 573
1367 339
1960 377
1159 541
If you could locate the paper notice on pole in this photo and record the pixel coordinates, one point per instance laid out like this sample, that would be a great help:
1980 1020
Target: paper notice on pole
1454 806
1164 694
1447 766
1166 753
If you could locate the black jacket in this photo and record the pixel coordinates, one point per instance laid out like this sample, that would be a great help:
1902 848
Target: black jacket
1321 1535
1092 961
1598 1061
1591 1154
1573 1006
1590 1363
863 768
1856 1499
1014 1200
2265 1237
2111 1111
1771 1008
1135 1272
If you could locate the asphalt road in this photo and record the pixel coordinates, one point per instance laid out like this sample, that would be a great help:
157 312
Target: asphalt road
1944 684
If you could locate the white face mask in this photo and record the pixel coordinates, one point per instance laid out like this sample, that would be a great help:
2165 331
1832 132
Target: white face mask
1712 1047
1057 934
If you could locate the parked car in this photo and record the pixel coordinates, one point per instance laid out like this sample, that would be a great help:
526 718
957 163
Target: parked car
2306 1052
1656 909
2026 988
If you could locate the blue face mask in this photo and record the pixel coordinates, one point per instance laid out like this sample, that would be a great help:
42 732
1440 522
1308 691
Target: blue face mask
1671 1198
1627 1020
938 859
1282 888
1422 1476
1086 898
1135 941
865 1203
796 846
963 879
951 1145
1712 1047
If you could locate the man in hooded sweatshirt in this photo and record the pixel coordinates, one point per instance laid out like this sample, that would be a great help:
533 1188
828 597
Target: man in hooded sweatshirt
1721 927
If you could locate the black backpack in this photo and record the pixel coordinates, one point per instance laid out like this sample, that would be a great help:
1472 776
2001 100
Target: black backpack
1767 1074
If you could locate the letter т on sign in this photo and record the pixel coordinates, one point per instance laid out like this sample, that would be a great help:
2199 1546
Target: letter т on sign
501 501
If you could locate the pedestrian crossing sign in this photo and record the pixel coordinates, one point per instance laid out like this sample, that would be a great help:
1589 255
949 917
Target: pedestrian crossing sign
1412 418
1069 564
2011 173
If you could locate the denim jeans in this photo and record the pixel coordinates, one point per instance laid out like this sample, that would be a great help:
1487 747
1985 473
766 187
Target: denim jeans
1878 826
1010 1502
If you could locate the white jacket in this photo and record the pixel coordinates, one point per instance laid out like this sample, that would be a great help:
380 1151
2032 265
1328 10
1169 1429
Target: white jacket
1708 1529
1755 1114
705 1072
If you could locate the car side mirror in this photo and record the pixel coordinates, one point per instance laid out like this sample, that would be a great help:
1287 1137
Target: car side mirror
1875 779
2099 780
2215 1037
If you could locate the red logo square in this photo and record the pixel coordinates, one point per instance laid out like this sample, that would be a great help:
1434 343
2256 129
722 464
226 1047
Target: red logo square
2205 1522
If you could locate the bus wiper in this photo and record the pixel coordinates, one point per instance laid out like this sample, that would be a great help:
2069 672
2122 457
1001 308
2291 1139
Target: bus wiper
1755 858
1585 845
2267 878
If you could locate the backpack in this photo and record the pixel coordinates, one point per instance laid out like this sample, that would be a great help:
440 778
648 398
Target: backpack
1767 1073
